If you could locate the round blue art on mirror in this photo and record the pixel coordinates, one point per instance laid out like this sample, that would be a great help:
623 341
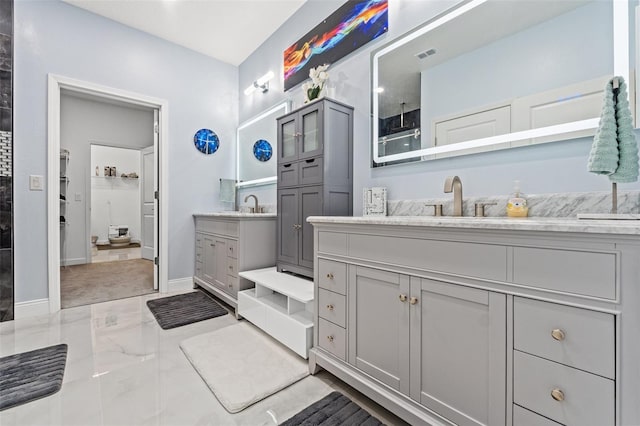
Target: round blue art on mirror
206 141
262 150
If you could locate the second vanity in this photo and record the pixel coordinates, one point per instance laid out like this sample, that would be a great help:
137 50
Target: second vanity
229 242
482 321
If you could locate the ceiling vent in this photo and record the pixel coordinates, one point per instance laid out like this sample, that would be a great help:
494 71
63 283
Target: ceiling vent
426 53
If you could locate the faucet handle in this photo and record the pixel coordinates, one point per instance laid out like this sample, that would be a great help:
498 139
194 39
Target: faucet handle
479 210
437 209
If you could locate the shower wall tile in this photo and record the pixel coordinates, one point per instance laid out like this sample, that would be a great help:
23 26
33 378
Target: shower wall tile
6 284
6 161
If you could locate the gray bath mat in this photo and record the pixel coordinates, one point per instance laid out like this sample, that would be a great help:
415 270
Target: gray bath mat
31 375
333 410
183 309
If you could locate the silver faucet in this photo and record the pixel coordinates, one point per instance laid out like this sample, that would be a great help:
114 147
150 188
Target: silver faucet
255 209
454 184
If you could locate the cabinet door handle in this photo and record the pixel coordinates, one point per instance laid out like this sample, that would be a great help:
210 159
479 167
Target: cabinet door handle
230 267
557 394
330 307
310 161
296 226
212 245
403 297
287 166
330 275
558 334
413 300
230 248
330 339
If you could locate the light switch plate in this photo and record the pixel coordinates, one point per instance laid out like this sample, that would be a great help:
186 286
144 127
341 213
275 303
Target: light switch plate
36 182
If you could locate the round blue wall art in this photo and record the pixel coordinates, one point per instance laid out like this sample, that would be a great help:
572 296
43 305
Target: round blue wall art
206 141
262 150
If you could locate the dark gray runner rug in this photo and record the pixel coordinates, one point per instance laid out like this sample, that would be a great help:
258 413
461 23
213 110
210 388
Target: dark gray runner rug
183 309
31 375
333 410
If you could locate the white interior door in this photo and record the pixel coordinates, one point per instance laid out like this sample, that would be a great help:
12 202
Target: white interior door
148 203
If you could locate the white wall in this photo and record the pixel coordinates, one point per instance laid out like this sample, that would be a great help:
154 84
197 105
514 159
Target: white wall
546 168
54 37
115 200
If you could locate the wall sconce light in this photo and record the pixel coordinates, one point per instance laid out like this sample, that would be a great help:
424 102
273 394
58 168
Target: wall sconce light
262 83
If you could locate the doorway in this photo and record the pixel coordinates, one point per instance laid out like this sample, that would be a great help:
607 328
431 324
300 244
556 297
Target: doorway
155 247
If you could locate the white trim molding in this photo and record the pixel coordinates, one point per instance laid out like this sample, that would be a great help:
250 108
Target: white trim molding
55 84
180 284
31 308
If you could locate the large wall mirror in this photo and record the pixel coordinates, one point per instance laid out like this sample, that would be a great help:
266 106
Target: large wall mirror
495 74
256 148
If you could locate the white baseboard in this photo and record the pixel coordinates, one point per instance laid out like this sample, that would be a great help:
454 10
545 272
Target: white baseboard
180 284
31 308
74 261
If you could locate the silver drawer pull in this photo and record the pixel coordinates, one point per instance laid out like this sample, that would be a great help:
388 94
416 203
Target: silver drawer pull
330 307
558 334
557 394
330 275
330 339
403 297
230 267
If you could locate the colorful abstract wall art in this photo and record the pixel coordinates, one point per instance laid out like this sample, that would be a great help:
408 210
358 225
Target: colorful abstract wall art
353 25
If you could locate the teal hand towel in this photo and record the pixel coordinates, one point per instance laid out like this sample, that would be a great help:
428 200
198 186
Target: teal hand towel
227 190
627 170
615 150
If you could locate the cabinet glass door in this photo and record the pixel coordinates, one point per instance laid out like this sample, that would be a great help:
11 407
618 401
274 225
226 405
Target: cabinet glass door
288 139
311 129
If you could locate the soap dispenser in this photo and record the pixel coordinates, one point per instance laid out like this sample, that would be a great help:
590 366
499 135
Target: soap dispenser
517 204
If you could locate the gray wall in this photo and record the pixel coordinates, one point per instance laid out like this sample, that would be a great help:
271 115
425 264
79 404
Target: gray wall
82 122
546 168
54 37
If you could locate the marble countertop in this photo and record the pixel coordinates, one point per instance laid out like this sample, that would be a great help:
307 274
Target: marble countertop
234 214
628 227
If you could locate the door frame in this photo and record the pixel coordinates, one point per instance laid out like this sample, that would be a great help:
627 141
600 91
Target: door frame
55 83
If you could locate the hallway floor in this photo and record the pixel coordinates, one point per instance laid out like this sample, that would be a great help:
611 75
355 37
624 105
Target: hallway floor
123 369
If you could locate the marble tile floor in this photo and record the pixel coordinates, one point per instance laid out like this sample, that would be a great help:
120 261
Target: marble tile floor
123 369
111 255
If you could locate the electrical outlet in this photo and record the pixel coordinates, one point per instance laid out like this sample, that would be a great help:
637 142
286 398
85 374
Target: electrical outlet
36 183
78 196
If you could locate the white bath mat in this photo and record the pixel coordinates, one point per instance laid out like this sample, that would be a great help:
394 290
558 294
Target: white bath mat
241 365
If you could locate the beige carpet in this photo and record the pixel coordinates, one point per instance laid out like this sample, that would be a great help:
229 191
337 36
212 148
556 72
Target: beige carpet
100 282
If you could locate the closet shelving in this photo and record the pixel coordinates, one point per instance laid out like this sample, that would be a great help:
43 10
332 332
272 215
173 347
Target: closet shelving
64 185
64 202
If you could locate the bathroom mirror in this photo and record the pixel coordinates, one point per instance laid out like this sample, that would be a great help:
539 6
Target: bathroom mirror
516 73
254 167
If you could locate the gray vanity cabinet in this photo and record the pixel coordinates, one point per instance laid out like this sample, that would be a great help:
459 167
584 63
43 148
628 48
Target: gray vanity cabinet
417 336
378 325
315 177
458 351
227 244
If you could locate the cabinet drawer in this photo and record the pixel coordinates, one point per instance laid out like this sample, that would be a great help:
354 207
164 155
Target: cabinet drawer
232 266
310 171
232 229
232 285
332 276
523 417
332 307
588 399
583 339
332 338
232 248
579 272
288 174
332 242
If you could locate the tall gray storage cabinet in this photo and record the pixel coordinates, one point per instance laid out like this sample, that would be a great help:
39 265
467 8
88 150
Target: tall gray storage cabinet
315 177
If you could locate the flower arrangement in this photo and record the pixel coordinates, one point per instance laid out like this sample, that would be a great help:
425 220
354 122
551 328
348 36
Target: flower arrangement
319 77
